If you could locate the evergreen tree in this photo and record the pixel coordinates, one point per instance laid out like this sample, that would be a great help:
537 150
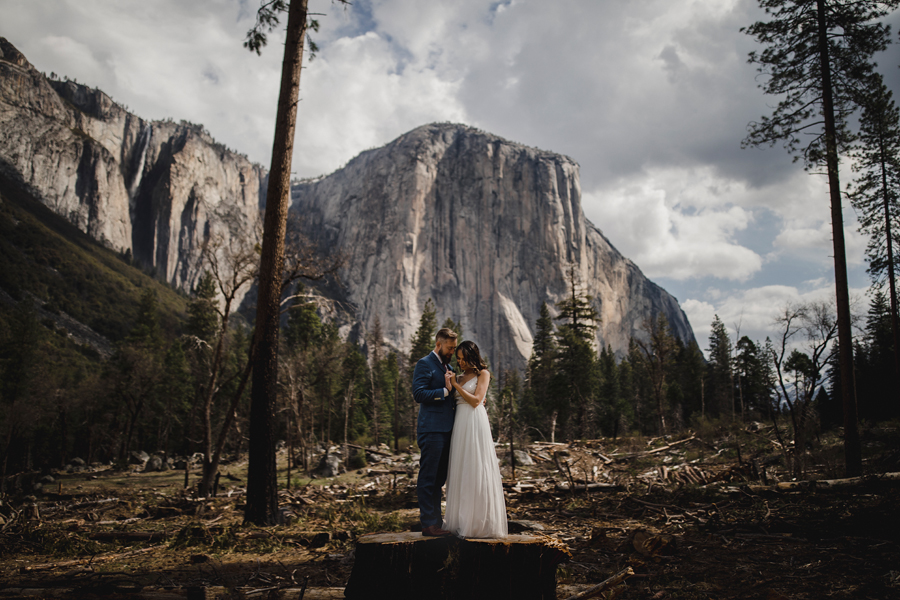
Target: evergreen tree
689 371
656 356
574 384
613 411
535 408
146 327
877 380
421 344
422 341
720 391
304 326
750 366
875 195
203 317
817 60
576 311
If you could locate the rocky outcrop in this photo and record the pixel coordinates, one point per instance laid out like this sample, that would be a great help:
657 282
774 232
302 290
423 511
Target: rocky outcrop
485 227
148 187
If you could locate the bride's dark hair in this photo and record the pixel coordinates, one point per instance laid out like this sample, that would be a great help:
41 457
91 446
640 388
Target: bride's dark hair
471 355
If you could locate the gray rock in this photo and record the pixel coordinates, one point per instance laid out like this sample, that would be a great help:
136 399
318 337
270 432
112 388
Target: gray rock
154 463
522 525
329 466
47 479
138 457
77 462
88 160
523 459
414 214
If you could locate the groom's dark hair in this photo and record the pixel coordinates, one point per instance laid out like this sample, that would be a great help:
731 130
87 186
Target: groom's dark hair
445 334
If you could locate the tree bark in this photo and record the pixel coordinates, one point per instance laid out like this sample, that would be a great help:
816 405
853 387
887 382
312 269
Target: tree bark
895 327
262 484
852 447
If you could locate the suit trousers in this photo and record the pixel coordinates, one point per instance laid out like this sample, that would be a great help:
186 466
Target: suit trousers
435 454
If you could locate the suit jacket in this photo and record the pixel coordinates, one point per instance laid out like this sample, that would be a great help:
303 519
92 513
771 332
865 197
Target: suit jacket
436 412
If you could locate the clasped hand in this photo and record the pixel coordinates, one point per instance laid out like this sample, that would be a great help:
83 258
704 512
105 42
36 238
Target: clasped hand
449 380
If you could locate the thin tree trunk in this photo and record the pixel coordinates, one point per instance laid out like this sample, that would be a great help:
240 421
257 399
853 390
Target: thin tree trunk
348 400
262 484
852 447
211 461
895 327
396 423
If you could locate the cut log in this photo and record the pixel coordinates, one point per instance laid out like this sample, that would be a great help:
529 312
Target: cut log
589 487
409 566
825 484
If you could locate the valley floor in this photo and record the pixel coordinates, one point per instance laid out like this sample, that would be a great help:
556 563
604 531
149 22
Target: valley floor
692 518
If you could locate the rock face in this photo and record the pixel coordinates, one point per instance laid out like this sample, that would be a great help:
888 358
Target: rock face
148 187
486 228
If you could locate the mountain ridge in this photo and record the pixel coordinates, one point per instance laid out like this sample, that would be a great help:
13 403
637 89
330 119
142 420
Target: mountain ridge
486 226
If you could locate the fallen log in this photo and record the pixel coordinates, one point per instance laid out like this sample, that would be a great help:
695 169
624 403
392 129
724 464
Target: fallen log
85 561
588 487
409 566
825 484
153 593
604 585
372 450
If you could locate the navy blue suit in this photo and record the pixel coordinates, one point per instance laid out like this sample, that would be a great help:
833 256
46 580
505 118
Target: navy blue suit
436 414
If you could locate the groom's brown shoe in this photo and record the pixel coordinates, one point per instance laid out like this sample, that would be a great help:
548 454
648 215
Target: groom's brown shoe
435 531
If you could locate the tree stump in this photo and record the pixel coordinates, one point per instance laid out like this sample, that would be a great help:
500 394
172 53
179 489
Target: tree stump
410 566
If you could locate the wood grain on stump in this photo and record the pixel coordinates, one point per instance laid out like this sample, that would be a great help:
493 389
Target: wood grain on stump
411 566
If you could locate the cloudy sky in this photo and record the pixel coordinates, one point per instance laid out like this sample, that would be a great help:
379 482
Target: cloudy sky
651 97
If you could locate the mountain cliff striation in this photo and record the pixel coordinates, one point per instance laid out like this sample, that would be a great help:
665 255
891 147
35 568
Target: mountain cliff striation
151 188
487 228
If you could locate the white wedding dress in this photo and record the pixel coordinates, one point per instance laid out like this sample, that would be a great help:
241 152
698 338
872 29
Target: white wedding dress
475 504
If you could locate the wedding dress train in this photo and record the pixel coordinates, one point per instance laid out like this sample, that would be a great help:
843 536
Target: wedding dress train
475 504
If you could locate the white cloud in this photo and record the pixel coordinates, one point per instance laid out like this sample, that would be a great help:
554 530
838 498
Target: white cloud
753 310
652 98
678 224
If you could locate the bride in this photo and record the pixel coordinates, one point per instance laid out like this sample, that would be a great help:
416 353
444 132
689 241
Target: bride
475 504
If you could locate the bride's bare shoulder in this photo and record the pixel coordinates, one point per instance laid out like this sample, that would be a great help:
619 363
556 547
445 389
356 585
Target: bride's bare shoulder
484 374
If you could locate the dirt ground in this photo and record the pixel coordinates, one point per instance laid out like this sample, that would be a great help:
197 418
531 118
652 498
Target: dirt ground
710 515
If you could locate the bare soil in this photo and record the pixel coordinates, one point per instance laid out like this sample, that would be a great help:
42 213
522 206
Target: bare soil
702 516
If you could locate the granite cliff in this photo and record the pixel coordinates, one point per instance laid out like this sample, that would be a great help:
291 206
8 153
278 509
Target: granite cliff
487 228
147 187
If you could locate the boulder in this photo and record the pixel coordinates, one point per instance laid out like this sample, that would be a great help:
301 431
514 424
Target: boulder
523 459
329 466
138 457
154 463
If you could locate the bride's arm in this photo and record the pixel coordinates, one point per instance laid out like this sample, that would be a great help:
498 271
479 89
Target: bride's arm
473 400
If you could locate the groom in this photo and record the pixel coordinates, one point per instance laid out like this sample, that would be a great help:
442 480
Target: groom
436 414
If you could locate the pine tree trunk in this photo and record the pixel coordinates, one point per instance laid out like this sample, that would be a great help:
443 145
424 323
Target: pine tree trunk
895 327
262 484
852 447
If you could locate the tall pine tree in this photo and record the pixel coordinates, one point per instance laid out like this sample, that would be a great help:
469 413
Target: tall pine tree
817 60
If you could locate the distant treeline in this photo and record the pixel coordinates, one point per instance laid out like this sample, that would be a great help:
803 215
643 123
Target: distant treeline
175 381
